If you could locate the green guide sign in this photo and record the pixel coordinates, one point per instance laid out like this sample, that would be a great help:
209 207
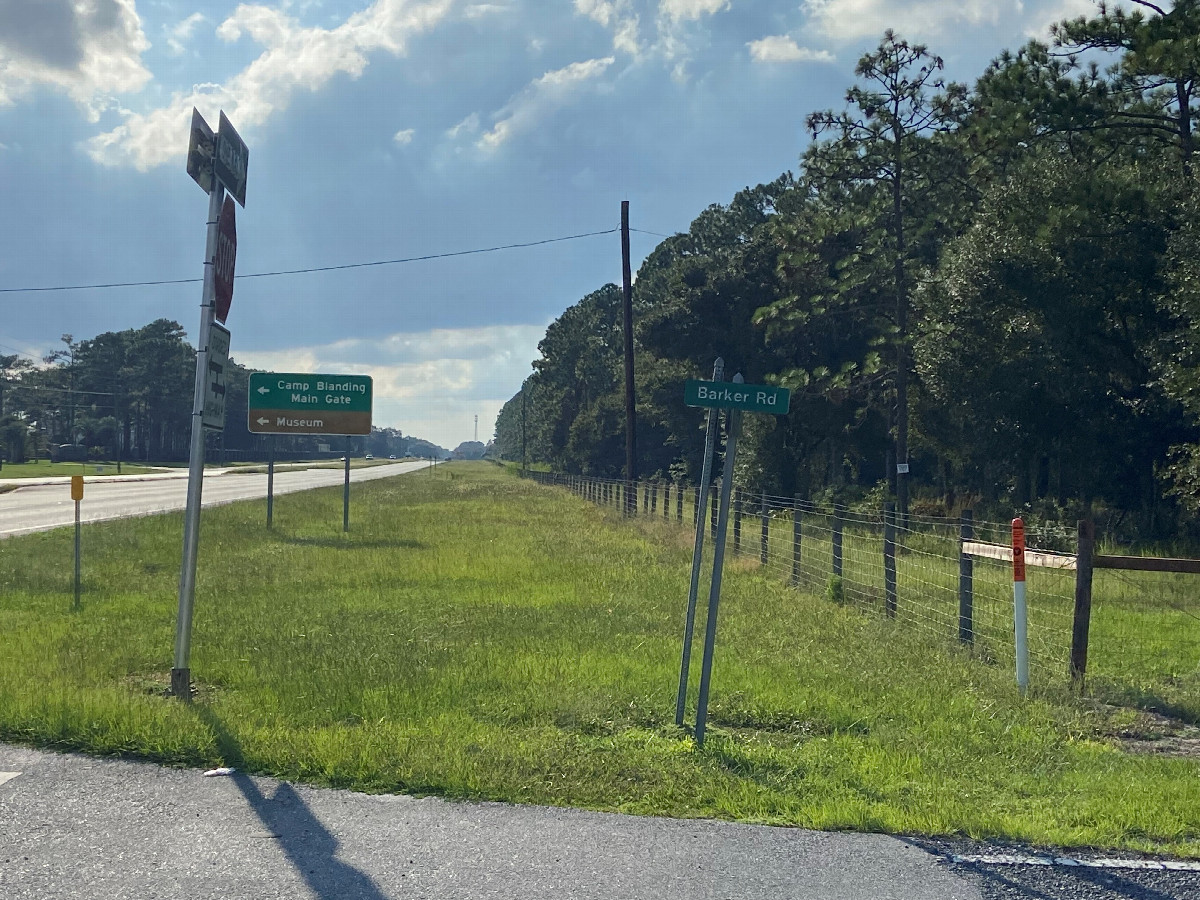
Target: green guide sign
730 395
300 403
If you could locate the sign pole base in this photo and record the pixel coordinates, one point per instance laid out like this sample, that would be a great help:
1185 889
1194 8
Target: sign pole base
181 684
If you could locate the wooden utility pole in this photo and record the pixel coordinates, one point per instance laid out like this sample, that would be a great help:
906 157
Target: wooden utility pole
630 406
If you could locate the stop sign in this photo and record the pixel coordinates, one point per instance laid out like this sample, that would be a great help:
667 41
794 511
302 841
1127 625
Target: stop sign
225 259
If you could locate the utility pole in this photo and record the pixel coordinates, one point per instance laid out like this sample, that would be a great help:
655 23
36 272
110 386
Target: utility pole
630 406
524 463
477 428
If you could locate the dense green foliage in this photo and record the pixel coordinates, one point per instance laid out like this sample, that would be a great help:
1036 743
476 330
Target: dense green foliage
997 284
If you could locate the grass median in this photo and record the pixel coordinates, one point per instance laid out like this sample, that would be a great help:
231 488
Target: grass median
478 636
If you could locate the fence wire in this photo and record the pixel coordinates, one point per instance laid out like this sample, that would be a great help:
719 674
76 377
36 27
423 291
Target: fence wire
1144 636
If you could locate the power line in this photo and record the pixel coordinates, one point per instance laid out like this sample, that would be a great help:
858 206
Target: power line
361 265
655 233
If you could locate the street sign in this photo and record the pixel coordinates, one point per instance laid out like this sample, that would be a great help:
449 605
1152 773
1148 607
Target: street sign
232 160
294 403
214 383
226 258
201 145
729 395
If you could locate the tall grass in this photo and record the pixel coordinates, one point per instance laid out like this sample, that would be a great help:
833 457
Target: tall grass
479 636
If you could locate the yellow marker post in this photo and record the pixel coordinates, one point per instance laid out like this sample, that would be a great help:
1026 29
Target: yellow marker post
76 495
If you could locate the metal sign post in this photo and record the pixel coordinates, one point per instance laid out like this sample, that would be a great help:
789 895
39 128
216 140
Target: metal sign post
214 165
346 491
181 676
271 480
697 549
77 496
733 397
734 420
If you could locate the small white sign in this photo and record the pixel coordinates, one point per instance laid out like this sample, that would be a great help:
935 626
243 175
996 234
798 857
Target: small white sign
214 381
901 468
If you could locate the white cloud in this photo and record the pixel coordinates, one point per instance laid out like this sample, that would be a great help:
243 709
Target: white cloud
681 10
469 125
404 137
179 34
90 51
294 58
429 384
542 95
781 48
617 14
1064 9
848 20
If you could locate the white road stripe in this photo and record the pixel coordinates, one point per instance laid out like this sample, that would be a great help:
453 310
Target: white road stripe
1008 859
8 776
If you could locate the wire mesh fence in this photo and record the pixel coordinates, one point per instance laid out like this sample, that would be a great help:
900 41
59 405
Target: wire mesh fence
1141 639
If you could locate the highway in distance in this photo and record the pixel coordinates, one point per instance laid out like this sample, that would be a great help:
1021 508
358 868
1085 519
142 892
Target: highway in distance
40 507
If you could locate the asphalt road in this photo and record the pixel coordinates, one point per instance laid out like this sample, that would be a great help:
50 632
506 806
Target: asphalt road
75 827
42 506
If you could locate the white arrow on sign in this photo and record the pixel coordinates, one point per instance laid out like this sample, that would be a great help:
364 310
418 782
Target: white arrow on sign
262 421
263 390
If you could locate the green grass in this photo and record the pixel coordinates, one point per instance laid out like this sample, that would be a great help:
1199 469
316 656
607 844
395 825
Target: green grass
45 469
479 636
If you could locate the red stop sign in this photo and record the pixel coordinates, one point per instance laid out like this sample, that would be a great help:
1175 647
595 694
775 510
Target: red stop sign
225 259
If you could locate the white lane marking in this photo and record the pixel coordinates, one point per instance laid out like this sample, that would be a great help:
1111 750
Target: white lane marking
1008 859
8 776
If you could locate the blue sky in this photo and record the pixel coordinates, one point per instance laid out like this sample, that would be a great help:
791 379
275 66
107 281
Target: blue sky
401 128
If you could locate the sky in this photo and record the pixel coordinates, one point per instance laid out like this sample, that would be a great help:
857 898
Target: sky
396 129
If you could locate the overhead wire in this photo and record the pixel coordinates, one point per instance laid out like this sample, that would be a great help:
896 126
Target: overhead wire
305 271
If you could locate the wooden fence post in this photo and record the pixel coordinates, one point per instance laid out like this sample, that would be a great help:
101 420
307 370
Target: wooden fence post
796 527
696 508
1083 601
679 503
765 538
653 498
889 560
836 541
666 499
737 520
966 579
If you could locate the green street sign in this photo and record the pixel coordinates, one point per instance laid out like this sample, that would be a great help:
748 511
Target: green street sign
730 395
301 403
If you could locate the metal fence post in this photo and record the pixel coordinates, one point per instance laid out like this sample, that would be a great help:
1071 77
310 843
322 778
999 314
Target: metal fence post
714 508
1083 601
796 529
889 560
737 521
966 579
836 541
764 540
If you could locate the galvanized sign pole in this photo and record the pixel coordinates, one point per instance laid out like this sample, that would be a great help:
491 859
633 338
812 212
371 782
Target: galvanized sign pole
214 163
181 676
733 397
697 549
734 420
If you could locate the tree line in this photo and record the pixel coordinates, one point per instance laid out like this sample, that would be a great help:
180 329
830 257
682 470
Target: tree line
127 395
997 284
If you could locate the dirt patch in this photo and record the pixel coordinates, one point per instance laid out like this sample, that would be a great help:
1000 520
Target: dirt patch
1153 734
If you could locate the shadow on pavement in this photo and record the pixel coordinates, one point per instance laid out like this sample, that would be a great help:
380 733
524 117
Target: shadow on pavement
304 840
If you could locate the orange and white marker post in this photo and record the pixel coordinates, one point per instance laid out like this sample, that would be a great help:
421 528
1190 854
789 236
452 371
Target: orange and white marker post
77 495
1020 609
